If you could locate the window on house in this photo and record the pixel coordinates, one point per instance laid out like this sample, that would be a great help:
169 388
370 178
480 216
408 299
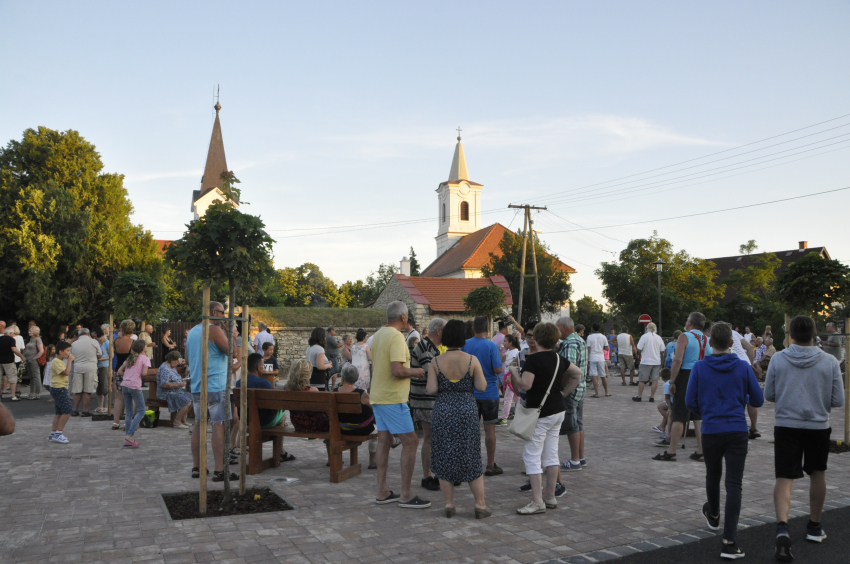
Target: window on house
443 216
464 211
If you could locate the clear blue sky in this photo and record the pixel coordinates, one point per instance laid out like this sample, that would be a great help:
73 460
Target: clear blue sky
345 113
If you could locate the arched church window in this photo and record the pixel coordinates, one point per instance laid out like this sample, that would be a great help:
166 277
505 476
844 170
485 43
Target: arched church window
464 211
443 217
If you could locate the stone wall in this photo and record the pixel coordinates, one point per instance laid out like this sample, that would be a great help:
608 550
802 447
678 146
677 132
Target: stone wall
292 343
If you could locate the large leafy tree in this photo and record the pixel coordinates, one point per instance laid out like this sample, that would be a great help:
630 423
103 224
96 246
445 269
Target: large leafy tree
555 288
588 311
631 283
754 303
67 232
813 284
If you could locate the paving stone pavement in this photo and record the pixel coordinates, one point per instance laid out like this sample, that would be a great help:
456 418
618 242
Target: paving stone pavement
93 501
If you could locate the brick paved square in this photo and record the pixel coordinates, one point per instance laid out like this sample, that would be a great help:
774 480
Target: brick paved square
93 501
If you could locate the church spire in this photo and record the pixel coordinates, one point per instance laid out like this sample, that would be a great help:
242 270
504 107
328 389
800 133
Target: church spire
458 171
216 161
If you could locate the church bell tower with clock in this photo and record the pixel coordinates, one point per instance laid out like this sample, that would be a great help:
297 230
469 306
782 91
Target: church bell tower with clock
459 203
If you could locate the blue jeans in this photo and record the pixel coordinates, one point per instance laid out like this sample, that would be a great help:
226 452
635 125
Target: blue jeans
733 447
134 407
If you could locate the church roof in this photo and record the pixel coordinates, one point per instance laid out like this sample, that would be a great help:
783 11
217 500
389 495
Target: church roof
473 252
458 170
446 294
216 161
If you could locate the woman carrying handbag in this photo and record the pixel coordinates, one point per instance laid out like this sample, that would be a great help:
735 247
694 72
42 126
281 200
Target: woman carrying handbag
547 379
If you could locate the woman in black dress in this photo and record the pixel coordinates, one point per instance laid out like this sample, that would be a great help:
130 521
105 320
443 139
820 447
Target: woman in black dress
455 432
168 344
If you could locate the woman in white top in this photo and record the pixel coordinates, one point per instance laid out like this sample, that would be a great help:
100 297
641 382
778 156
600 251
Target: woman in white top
361 358
652 352
316 356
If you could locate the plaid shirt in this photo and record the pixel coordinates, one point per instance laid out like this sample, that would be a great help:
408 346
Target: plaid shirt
574 349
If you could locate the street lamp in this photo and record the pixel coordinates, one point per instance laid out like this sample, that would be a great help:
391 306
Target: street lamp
659 265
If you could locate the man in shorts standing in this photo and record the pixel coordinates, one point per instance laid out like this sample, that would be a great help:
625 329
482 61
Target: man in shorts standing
86 352
487 353
8 351
651 348
574 349
596 345
391 374
626 353
805 384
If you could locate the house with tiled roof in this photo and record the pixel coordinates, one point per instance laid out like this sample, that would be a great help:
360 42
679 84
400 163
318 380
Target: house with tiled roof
726 264
429 297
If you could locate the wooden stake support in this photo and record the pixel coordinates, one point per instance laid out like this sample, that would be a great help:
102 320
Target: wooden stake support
205 349
243 402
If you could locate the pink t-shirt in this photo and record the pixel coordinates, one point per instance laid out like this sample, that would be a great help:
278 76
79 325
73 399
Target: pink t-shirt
133 374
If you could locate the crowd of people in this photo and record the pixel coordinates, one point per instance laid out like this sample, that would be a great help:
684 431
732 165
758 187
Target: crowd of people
454 383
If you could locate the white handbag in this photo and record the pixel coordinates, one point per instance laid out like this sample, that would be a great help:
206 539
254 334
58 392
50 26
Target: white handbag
525 418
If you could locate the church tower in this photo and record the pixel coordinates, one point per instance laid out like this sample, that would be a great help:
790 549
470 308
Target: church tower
458 204
211 180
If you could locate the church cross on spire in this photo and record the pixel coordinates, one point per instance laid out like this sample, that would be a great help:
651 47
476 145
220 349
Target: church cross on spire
458 133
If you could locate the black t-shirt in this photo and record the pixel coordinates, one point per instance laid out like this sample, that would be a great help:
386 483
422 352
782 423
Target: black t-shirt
542 365
6 345
270 364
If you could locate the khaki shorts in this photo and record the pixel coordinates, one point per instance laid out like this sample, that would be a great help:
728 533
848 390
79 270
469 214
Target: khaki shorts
85 383
626 361
649 373
10 371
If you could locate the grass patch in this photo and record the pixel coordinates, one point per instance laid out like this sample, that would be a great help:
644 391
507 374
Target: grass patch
319 316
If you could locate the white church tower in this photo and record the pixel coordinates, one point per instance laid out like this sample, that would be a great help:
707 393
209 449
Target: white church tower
459 204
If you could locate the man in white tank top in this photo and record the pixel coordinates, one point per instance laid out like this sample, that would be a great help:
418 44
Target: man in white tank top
626 355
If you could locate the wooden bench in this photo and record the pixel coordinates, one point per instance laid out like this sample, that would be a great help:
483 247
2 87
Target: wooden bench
154 403
332 403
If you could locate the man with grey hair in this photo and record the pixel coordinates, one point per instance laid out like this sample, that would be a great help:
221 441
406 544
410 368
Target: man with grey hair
264 336
86 352
832 345
391 374
422 404
574 349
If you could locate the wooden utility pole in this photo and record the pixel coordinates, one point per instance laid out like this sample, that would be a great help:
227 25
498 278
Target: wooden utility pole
243 400
526 227
202 416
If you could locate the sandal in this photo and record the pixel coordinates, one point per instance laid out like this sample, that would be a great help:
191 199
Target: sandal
665 457
196 473
116 426
219 476
595 396
698 457
624 384
286 457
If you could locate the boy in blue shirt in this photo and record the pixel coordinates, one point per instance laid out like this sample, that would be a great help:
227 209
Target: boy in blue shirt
487 353
719 389
268 417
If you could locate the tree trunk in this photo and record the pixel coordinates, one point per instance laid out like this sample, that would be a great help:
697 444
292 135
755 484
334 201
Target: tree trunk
227 424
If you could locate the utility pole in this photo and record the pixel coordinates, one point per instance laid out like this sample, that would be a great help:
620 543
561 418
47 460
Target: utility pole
526 227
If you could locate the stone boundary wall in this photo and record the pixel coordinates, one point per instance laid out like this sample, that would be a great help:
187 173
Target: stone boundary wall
292 343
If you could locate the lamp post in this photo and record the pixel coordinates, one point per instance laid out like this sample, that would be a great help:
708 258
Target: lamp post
659 265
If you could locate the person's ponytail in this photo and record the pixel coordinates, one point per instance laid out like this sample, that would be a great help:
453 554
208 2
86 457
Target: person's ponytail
137 348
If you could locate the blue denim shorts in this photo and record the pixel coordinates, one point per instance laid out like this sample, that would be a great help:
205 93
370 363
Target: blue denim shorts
217 406
393 417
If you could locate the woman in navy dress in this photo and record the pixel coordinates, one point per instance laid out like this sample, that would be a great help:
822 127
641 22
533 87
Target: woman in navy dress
455 431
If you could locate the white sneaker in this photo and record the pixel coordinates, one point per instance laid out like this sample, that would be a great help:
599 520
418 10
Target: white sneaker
60 438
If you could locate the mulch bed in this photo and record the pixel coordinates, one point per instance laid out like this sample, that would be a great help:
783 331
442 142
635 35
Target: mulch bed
836 448
185 505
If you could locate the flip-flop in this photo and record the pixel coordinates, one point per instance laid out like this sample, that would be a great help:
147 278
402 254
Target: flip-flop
595 396
665 457
392 498
607 395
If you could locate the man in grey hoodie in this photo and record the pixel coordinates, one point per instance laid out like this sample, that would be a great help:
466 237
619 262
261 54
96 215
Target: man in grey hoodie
805 383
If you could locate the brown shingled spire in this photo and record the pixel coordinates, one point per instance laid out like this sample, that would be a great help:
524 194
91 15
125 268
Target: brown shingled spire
216 161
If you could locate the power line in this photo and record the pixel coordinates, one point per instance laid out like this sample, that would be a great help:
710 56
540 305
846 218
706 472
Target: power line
711 212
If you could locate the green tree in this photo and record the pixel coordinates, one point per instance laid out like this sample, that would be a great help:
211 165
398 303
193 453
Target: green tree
813 284
754 303
355 292
488 301
414 264
588 311
139 296
226 245
631 283
555 288
378 280
67 231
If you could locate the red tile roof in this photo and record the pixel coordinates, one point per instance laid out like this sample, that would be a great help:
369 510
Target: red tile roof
162 244
446 294
473 252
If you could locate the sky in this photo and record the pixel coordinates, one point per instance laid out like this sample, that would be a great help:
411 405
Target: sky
344 114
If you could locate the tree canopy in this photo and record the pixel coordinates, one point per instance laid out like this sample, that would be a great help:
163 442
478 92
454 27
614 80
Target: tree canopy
813 284
555 288
414 263
488 301
67 230
631 283
588 311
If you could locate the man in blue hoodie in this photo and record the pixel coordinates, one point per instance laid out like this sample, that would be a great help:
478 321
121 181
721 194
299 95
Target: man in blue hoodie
719 390
805 383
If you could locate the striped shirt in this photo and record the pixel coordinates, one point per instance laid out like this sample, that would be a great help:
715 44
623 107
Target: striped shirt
574 349
420 357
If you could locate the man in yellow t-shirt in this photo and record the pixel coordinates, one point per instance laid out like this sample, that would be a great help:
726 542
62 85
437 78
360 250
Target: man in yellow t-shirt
59 369
391 374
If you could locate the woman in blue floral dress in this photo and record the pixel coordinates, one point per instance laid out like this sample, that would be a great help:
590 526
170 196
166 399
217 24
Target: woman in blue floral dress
455 431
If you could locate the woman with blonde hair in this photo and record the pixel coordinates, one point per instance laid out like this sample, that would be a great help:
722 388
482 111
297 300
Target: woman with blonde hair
32 352
121 346
299 381
131 373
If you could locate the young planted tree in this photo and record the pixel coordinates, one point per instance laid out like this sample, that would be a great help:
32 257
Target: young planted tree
488 301
226 245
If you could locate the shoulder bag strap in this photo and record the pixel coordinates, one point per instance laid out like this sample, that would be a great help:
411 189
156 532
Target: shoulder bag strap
549 389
